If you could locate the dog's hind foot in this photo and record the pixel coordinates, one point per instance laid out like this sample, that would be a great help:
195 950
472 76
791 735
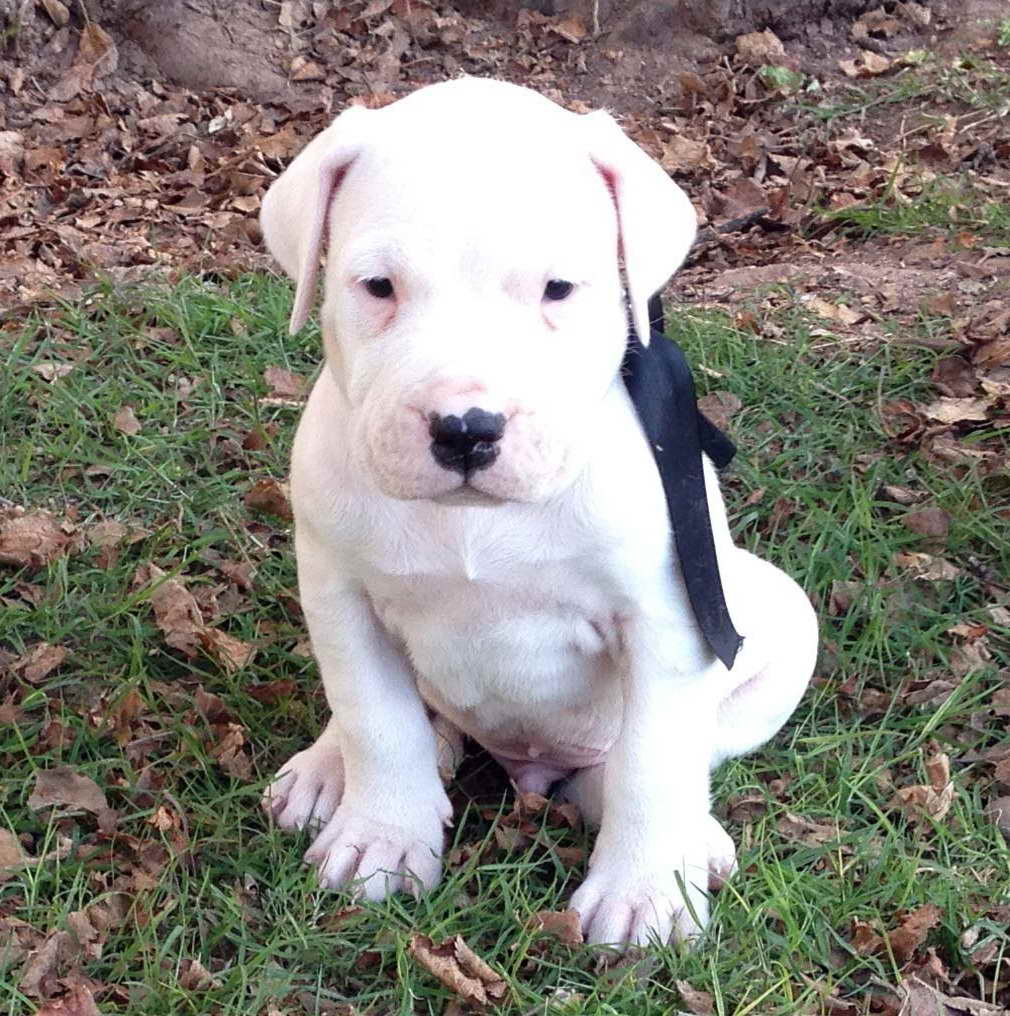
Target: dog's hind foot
721 854
307 789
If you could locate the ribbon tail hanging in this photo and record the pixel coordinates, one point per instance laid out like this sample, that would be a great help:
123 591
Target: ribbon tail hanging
659 381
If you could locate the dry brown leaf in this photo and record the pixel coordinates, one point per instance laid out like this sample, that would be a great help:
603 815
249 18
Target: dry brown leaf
997 811
39 662
834 311
938 771
303 69
460 969
239 572
874 63
176 612
272 692
227 749
44 965
1000 703
194 976
12 152
922 801
564 925
270 496
971 657
570 857
285 383
107 537
573 29
931 522
911 933
864 939
51 371
805 830
212 707
720 407
746 807
107 534
697 1001
685 155
876 22
97 56
919 999
64 787
927 567
12 854
955 377
126 422
844 593
31 539
758 49
232 653
78 1001
57 11
948 410
869 65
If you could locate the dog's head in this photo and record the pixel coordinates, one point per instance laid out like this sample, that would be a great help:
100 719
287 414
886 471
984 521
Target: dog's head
474 313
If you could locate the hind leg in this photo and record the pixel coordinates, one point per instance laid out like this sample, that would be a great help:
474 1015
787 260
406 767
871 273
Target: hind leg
763 688
775 664
585 791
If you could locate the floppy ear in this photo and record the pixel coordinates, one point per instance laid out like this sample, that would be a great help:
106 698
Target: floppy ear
295 208
656 221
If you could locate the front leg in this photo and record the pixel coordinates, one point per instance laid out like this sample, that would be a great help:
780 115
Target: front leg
649 869
387 831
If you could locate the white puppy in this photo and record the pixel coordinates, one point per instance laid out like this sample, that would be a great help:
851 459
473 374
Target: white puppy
481 532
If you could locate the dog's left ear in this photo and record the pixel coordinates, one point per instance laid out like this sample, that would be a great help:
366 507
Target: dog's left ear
656 220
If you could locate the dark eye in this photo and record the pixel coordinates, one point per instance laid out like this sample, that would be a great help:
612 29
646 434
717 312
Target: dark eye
557 289
381 289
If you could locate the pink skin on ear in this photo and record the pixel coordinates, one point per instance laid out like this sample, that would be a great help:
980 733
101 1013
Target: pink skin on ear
639 314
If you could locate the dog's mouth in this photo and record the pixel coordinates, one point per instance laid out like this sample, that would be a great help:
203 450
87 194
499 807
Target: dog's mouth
466 495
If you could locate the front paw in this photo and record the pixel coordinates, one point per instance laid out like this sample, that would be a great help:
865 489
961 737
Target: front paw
308 788
623 904
397 849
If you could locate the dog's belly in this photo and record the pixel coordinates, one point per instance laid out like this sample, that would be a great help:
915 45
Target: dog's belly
531 678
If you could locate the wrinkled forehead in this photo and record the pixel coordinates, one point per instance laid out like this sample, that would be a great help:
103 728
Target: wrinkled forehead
527 191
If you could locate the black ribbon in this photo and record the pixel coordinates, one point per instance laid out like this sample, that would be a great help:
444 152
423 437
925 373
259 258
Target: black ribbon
661 387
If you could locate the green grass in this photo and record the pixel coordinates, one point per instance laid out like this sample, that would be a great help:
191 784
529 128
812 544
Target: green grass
224 888
946 207
967 83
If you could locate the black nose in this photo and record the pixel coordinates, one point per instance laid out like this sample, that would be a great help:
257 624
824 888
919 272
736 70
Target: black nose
466 443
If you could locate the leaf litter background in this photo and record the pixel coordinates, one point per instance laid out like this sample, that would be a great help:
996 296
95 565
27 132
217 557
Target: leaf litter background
106 177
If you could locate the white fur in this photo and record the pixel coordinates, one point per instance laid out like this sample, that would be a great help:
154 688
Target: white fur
538 609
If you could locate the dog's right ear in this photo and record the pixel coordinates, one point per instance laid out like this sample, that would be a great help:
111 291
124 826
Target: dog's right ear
295 208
